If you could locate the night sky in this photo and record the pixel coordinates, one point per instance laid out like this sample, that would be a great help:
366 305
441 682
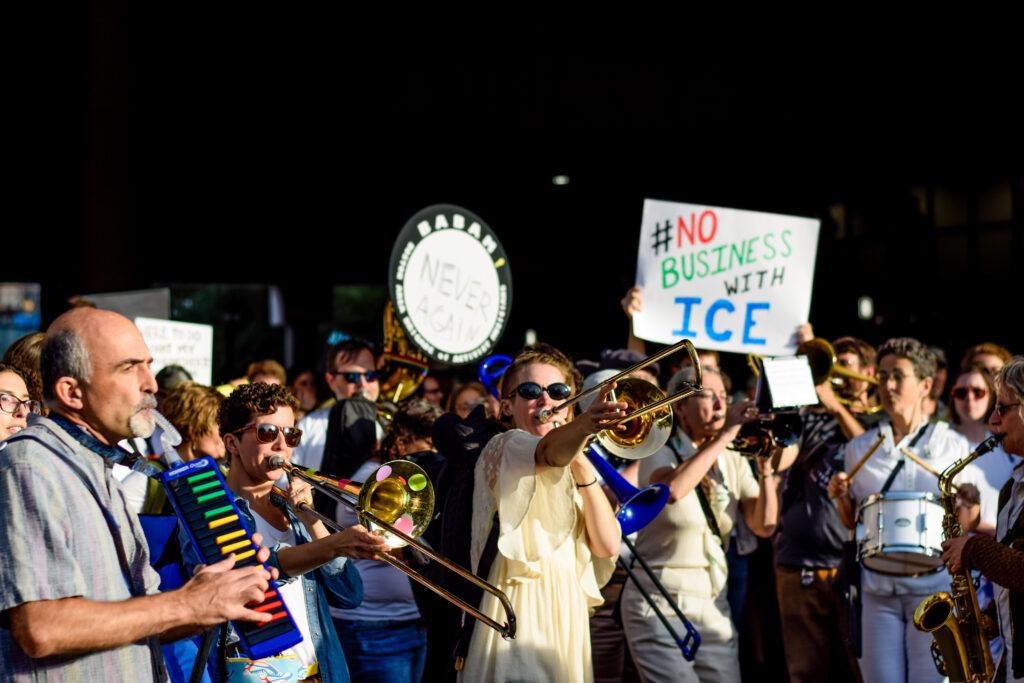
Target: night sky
290 149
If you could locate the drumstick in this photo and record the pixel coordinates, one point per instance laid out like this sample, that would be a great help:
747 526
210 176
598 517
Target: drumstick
860 463
923 464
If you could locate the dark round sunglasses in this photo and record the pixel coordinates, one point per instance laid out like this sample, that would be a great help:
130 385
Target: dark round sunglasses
267 433
532 391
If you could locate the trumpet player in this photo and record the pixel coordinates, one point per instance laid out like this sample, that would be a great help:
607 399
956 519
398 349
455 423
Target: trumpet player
809 546
1001 559
257 422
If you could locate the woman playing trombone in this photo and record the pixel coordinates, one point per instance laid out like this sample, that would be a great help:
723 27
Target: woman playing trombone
709 486
557 534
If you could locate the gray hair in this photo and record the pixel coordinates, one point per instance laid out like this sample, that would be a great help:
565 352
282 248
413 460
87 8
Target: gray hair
686 374
1011 376
920 356
63 355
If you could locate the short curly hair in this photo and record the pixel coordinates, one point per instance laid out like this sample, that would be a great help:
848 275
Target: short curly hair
920 357
251 400
193 409
414 421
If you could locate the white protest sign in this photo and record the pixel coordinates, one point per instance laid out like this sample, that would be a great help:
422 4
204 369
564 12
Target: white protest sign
189 345
725 279
451 284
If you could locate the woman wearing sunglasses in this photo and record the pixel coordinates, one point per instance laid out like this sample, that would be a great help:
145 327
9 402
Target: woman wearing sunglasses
257 422
972 399
557 535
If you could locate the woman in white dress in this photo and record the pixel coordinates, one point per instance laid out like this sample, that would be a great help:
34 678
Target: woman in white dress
557 533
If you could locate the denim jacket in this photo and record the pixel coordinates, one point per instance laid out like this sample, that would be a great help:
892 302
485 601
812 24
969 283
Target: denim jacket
336 583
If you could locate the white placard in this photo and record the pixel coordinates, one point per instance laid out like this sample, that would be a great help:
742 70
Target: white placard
189 345
789 381
725 279
450 283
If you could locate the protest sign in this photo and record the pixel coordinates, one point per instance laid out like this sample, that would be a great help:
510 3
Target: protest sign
189 345
725 279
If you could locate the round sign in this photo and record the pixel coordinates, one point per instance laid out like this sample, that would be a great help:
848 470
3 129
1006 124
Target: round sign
451 284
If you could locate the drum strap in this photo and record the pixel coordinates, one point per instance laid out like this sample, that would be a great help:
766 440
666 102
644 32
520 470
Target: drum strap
892 477
899 466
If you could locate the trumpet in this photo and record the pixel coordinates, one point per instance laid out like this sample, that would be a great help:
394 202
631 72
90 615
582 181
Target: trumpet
759 438
398 503
648 408
825 367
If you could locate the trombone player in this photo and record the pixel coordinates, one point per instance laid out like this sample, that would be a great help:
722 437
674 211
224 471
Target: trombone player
809 547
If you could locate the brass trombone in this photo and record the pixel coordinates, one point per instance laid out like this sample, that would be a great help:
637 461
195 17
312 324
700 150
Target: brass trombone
648 407
398 501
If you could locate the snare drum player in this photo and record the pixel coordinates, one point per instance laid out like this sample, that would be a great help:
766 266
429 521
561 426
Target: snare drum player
893 650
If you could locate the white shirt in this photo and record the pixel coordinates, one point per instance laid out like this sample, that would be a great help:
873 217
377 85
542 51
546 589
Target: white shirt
989 473
1007 518
310 453
291 593
940 447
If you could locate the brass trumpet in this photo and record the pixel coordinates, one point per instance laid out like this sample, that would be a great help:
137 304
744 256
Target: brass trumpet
398 502
648 408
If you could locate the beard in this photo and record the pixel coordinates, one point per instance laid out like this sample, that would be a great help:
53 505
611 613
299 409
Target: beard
141 424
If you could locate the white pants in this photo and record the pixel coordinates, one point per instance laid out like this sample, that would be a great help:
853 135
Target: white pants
655 653
894 651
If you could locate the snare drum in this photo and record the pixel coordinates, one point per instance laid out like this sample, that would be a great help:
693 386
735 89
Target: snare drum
900 533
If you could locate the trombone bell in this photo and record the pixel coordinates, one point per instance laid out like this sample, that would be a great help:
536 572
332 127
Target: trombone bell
645 434
400 494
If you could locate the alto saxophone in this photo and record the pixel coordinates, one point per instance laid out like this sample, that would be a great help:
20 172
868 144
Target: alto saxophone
960 648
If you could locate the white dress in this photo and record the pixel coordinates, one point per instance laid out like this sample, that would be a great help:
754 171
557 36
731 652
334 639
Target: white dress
543 564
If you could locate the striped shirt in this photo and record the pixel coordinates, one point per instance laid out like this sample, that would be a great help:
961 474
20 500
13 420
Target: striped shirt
57 544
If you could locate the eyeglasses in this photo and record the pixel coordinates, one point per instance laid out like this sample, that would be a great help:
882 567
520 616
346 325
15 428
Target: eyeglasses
11 404
353 377
960 393
267 433
1001 408
532 391
709 395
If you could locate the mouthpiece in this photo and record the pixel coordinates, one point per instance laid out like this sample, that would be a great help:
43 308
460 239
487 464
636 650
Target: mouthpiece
277 462
990 443
544 415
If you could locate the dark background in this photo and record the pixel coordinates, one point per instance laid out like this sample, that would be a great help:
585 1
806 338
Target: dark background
226 145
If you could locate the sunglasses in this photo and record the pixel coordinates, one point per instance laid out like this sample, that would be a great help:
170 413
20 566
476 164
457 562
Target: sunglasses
353 377
267 433
1001 409
532 391
960 393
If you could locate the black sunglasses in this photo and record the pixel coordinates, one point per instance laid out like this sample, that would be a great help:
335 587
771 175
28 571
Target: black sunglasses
531 391
267 433
353 377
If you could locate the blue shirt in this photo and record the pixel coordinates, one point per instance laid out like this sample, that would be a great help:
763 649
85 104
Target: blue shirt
334 584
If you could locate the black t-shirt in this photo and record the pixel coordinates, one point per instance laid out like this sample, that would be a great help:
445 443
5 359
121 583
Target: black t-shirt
811 534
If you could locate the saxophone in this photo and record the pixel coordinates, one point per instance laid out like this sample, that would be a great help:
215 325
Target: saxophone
960 648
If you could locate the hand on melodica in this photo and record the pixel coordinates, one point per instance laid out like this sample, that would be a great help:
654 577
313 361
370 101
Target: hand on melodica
219 593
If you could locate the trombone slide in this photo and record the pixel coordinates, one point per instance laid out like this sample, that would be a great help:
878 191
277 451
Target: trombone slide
334 490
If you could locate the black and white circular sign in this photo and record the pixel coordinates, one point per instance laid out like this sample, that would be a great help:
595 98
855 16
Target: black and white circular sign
451 284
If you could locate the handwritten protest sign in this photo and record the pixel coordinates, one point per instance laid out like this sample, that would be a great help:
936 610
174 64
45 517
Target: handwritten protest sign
726 279
175 343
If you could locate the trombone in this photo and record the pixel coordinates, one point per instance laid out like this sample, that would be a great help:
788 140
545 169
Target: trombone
825 367
398 500
648 407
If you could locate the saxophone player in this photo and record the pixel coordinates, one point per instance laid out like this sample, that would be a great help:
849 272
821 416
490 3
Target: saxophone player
1001 559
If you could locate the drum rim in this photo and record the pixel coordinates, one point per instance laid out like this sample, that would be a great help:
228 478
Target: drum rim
898 495
873 552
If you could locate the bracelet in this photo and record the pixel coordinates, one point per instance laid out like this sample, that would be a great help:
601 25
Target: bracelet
583 486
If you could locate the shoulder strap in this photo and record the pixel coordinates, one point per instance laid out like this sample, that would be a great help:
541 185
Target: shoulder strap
705 504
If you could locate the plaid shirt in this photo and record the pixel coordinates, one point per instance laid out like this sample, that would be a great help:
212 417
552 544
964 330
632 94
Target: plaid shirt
57 544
